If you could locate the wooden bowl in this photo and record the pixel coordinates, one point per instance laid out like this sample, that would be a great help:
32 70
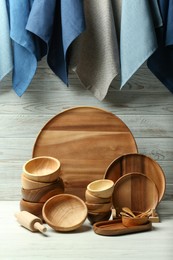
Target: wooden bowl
93 199
102 188
34 208
96 217
30 184
43 169
44 193
129 222
64 212
98 207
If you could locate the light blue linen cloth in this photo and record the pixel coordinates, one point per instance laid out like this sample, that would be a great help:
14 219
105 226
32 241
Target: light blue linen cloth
25 46
6 59
137 36
58 23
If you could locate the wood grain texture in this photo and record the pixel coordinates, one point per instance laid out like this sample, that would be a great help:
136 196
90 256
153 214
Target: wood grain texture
85 140
144 104
30 221
43 169
44 193
116 228
64 212
30 184
139 163
135 191
154 126
34 208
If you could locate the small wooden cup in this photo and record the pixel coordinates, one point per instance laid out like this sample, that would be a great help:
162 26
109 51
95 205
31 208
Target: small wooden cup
43 169
102 188
44 193
64 212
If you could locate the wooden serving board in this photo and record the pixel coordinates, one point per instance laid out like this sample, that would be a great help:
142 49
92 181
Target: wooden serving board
140 163
85 140
115 228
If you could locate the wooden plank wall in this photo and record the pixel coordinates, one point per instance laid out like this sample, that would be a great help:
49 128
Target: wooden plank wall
144 104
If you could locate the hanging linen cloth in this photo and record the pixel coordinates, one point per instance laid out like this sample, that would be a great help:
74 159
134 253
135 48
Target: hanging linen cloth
156 14
58 23
161 62
94 56
6 59
137 36
25 47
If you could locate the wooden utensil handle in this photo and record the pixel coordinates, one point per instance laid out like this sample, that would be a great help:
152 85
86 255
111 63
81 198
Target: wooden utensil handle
30 221
40 227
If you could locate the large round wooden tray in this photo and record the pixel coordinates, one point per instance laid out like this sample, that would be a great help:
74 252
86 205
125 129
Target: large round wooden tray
85 140
140 163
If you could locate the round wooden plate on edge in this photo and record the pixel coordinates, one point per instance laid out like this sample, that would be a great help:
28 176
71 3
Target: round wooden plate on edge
140 163
85 140
135 191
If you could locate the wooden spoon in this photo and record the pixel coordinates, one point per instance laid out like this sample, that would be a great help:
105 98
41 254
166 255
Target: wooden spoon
125 214
146 213
128 211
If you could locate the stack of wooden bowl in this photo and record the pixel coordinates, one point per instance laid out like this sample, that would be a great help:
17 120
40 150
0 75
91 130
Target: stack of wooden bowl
98 200
40 181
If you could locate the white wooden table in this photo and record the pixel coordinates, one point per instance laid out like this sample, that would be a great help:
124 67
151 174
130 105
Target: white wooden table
18 243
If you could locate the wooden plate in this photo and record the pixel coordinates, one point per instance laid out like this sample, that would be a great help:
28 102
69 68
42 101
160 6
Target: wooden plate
85 140
115 228
129 163
135 191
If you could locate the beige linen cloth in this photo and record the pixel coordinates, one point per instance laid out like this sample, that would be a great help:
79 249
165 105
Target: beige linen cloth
94 56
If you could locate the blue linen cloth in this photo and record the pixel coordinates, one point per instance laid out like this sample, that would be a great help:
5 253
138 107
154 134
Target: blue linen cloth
25 46
156 14
137 36
166 8
161 62
58 23
6 58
